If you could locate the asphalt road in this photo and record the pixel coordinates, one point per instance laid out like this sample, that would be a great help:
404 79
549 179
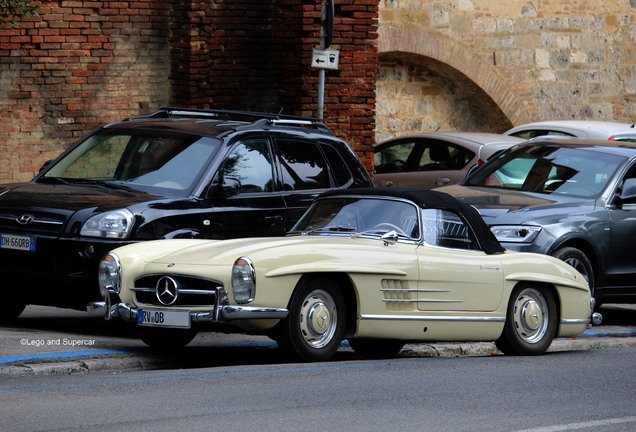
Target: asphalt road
562 391
50 341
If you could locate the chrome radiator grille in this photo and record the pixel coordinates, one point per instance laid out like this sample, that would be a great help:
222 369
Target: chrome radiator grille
175 290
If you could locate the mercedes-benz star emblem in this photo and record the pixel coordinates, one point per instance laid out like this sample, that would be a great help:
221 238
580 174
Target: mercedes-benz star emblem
167 290
25 219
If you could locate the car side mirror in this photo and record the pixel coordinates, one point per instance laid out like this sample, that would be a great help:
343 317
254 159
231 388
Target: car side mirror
629 189
46 164
628 194
227 187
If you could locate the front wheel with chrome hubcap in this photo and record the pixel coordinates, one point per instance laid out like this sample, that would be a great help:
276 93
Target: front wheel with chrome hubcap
315 325
531 321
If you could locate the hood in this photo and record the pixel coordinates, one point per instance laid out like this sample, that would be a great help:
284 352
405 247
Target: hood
500 206
183 253
205 252
67 198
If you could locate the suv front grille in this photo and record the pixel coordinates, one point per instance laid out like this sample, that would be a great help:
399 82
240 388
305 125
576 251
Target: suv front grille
31 222
175 290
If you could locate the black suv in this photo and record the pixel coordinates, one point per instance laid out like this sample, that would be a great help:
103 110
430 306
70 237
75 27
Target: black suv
178 173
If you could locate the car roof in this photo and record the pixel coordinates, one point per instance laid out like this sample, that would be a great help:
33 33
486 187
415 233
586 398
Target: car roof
431 199
608 127
208 122
625 148
474 139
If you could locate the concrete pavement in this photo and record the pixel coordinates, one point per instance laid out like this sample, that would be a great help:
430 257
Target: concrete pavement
45 341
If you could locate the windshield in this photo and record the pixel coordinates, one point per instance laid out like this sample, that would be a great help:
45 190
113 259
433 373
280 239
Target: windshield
137 159
349 216
549 169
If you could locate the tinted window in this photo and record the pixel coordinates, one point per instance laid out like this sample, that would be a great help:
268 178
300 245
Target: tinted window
251 163
421 155
303 165
446 229
164 160
549 169
533 133
341 173
439 155
392 158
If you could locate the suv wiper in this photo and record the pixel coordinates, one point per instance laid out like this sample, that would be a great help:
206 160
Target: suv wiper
58 180
103 184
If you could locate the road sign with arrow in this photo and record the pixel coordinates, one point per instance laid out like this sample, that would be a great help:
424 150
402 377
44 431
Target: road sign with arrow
325 59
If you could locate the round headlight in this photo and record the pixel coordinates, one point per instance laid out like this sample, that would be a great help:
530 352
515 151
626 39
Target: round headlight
109 274
114 224
243 280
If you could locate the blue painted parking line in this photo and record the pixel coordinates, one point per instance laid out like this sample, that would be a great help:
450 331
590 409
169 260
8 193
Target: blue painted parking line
620 332
61 355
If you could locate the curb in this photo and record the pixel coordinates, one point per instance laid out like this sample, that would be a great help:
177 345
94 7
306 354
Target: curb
446 350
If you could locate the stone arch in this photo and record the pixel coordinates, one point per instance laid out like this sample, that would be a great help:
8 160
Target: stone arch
480 84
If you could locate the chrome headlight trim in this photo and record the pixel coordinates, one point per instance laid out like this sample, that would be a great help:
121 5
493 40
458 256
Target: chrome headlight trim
243 280
109 274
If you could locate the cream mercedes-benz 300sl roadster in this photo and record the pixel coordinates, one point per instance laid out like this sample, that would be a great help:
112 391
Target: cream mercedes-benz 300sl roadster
379 267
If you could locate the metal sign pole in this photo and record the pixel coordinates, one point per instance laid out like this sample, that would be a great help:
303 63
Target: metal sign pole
321 72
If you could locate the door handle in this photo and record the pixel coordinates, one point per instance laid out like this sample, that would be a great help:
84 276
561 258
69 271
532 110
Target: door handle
273 219
442 181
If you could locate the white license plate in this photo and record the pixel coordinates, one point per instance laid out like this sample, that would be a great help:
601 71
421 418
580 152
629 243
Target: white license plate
163 318
23 243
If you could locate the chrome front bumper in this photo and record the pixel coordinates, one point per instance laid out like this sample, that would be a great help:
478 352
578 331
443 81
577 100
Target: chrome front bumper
222 312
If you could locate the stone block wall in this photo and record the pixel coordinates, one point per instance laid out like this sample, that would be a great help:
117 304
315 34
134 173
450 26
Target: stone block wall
540 60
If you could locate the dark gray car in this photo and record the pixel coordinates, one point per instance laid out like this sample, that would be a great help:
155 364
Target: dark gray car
573 199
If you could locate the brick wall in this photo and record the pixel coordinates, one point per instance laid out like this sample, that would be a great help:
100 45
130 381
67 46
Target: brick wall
243 54
83 63
76 65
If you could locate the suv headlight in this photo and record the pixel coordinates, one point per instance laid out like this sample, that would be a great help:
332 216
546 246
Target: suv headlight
109 274
243 280
516 234
113 224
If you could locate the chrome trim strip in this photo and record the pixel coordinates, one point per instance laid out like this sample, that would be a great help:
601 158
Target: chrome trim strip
128 312
250 312
417 290
432 318
35 220
400 300
575 321
421 301
439 301
181 291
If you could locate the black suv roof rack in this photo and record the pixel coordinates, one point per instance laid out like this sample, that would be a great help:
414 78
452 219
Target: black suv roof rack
247 116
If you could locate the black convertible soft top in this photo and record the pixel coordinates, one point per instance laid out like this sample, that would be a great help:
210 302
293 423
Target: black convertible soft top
433 199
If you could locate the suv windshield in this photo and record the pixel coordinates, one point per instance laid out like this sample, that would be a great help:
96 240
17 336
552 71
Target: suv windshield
549 169
139 159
